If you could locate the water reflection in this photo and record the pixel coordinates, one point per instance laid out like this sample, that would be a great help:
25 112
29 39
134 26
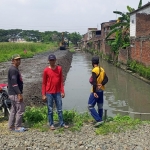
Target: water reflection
123 91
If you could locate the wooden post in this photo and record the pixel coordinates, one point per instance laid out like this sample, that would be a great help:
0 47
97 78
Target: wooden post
105 115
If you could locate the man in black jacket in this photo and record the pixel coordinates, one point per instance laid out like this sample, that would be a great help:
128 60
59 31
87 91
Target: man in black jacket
15 90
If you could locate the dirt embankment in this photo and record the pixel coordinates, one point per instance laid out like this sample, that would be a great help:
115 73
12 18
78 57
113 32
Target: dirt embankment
32 70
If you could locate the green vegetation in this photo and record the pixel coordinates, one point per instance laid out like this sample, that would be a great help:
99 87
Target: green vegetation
118 124
9 49
72 50
139 68
35 36
36 117
121 31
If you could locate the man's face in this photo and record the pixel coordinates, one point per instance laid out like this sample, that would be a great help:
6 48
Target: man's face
17 62
52 62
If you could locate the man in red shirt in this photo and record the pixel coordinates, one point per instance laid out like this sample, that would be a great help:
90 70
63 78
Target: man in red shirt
53 89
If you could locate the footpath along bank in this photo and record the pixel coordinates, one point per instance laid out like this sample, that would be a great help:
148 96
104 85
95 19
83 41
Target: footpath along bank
86 139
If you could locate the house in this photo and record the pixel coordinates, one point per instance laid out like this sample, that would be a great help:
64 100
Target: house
105 29
90 33
16 39
140 35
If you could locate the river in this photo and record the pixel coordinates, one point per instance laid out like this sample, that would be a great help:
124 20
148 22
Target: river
124 92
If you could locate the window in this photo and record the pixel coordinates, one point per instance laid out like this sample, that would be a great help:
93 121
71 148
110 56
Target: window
132 21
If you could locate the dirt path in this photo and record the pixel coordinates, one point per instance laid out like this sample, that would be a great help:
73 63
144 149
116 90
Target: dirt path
32 69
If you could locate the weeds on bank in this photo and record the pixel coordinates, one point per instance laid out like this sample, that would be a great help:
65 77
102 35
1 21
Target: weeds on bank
139 68
72 50
36 117
117 124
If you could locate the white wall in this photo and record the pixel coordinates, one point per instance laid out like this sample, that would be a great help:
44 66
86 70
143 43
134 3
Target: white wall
133 21
147 10
133 25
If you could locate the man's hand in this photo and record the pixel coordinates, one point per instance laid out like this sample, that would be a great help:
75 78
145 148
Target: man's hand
20 98
62 95
95 95
99 86
44 98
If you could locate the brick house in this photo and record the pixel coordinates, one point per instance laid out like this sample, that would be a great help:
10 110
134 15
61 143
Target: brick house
140 35
105 29
87 39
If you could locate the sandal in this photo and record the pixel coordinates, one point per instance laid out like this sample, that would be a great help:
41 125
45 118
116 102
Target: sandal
21 129
52 127
65 126
12 128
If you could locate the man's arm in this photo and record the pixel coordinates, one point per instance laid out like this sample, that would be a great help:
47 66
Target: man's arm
44 83
62 84
105 80
94 81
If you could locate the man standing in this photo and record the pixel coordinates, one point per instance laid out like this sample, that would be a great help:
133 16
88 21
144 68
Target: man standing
53 89
15 90
96 97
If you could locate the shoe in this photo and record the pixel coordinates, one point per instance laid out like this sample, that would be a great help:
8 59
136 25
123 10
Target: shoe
52 127
21 129
98 123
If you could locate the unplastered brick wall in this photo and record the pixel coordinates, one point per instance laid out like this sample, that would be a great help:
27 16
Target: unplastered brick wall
141 51
142 25
123 55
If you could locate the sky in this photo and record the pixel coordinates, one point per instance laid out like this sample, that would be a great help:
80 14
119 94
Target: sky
60 15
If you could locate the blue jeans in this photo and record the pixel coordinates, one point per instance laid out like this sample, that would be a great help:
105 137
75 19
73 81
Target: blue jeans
58 102
97 115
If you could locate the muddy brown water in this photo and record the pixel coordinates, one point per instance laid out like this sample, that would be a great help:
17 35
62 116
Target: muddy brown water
123 91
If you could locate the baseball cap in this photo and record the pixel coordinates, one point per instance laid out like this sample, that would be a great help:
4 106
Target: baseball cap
16 56
51 57
95 60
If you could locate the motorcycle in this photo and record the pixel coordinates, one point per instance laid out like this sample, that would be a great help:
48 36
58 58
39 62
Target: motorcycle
5 102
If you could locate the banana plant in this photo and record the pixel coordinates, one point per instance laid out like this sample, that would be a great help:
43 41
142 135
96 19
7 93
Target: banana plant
120 30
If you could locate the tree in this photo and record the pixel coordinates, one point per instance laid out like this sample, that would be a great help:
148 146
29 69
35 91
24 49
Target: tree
74 37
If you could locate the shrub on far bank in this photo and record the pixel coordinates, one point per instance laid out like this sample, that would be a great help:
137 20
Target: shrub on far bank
139 68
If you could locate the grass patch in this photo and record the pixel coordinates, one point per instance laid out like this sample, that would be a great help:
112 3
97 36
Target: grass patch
72 50
118 124
36 117
9 49
139 68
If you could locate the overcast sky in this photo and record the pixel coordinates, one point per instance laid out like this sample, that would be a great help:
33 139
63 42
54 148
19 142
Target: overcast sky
60 15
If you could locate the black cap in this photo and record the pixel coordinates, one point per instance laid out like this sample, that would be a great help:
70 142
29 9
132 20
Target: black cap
95 60
51 57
